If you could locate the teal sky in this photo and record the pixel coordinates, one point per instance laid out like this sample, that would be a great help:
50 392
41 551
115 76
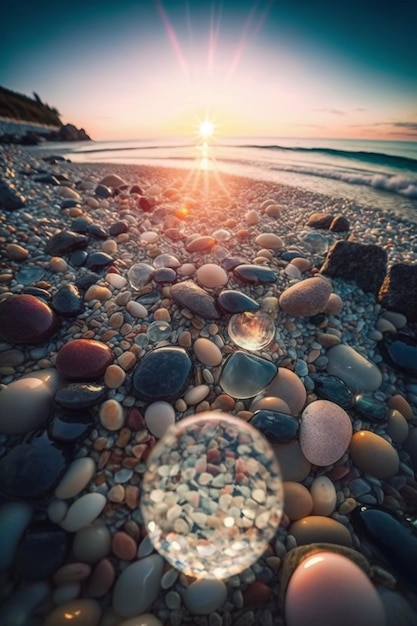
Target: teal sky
146 68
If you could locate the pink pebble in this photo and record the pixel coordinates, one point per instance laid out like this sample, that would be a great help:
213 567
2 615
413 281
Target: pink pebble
325 432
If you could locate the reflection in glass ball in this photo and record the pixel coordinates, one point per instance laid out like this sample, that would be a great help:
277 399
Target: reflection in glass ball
212 495
314 242
140 274
251 330
158 331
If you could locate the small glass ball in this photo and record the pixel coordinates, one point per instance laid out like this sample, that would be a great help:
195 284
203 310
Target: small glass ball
158 331
314 242
212 495
252 330
140 274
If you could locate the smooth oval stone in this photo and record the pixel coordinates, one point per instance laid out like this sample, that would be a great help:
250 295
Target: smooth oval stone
26 319
99 261
97 231
65 241
269 403
189 295
275 426
399 403
203 597
197 244
162 374
138 586
325 432
25 405
67 301
92 543
68 426
41 551
307 297
76 478
211 275
118 227
298 502
83 359
159 416
401 352
349 598
357 372
80 395
245 375
323 493
81 224
80 612
334 389
254 274
233 301
393 536
146 619
101 580
83 511
17 609
317 528
14 518
165 276
207 352
374 455
269 241
229 263
372 409
32 468
287 386
397 427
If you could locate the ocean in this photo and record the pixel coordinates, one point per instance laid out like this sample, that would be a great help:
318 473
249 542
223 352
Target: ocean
380 174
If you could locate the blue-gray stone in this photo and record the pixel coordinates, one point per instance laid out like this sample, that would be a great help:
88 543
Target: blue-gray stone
234 301
77 396
372 409
30 274
41 552
78 258
99 261
277 427
33 468
162 374
334 389
401 352
245 375
67 301
393 536
102 191
190 296
66 241
254 274
70 426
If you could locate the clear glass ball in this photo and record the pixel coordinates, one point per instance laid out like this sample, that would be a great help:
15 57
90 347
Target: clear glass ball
140 274
212 495
251 330
314 242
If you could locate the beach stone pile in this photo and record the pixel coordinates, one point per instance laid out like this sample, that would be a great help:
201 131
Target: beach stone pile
126 295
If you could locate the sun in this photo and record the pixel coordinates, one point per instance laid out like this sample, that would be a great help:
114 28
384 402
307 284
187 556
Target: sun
206 129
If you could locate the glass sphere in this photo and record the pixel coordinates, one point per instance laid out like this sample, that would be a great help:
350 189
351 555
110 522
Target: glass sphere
314 242
158 331
140 274
212 495
251 330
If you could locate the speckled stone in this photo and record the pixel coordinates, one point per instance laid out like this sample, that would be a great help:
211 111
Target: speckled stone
189 295
325 432
26 319
307 297
83 359
162 374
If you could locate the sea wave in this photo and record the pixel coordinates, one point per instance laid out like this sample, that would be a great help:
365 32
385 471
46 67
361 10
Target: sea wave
376 158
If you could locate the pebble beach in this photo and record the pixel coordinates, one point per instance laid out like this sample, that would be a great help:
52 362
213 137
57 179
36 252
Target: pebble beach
134 297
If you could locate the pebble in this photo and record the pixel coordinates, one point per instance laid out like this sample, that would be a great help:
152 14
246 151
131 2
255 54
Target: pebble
71 573
317 528
114 376
136 309
211 276
288 387
234 301
83 511
97 292
399 403
293 464
25 404
298 502
190 296
162 374
374 455
76 478
14 519
101 580
81 612
207 352
138 586
397 427
269 241
356 371
324 496
244 375
123 546
203 597
83 359
325 432
19 606
112 415
196 394
307 297
92 543
16 252
24 319
159 416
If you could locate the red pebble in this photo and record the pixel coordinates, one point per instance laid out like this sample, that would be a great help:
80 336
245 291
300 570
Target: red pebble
135 420
83 359
26 319
256 594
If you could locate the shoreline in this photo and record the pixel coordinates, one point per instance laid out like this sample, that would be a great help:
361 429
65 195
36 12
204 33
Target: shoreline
181 207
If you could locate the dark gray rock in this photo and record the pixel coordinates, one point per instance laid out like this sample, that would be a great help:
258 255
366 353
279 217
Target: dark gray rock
10 200
340 224
401 352
66 241
67 301
41 551
234 301
189 295
162 374
399 290
362 263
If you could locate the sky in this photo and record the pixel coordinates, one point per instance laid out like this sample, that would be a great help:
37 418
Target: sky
131 69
